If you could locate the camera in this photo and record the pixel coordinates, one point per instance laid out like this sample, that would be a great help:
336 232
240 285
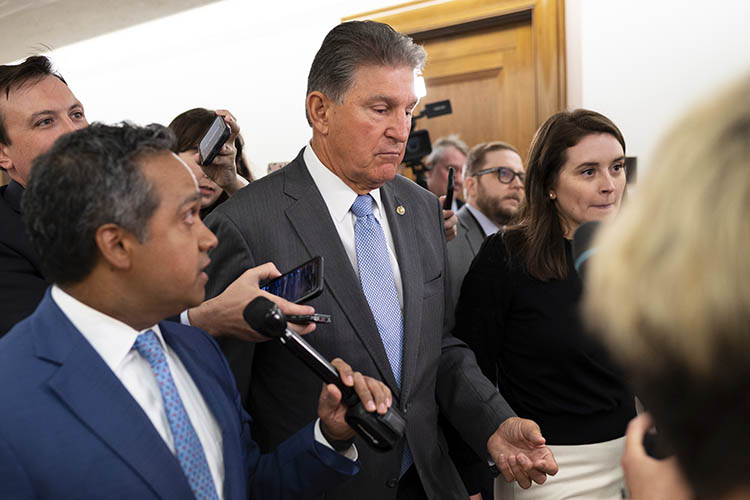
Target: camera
419 145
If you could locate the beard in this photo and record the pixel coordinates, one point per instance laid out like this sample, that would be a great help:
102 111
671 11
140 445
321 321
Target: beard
493 207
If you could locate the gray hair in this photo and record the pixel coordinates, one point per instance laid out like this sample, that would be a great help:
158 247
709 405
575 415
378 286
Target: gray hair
359 43
440 146
89 178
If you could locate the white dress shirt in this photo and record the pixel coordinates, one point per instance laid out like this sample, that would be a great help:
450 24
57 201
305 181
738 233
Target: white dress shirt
485 223
113 340
339 197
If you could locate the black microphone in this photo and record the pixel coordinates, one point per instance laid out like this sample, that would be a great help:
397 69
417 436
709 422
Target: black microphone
382 432
581 246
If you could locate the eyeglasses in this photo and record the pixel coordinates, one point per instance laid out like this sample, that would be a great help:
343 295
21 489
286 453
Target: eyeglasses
504 174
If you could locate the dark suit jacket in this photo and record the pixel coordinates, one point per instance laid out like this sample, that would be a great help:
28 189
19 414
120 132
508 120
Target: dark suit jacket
283 218
21 283
69 428
463 248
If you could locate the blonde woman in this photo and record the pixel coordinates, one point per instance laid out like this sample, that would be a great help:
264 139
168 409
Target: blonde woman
670 290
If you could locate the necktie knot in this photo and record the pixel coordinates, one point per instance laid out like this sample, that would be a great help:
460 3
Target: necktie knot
148 346
362 206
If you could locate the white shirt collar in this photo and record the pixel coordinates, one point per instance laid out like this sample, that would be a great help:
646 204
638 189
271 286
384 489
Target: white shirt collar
486 224
111 338
337 195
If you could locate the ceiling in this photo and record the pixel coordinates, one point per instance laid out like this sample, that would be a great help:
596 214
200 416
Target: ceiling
31 26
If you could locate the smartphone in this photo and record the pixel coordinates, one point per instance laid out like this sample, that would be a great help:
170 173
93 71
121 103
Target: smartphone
448 203
301 283
303 319
214 138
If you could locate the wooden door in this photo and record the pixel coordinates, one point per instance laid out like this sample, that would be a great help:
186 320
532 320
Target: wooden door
501 64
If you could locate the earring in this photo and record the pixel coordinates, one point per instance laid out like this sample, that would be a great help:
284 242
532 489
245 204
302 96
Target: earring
551 195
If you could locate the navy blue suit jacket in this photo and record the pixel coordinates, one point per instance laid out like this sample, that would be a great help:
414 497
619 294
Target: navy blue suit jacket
70 429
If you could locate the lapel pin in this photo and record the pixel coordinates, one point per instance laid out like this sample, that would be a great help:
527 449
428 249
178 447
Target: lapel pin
400 210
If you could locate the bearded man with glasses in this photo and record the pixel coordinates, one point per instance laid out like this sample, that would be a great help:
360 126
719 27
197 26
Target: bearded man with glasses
493 185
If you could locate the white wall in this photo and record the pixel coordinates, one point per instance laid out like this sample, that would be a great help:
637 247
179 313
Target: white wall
640 62
249 57
645 62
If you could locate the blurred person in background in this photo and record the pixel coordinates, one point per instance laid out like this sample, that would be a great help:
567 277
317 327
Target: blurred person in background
669 289
228 173
518 310
448 151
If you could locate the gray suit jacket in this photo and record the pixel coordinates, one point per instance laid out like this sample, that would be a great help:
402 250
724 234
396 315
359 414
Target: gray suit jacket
463 248
282 218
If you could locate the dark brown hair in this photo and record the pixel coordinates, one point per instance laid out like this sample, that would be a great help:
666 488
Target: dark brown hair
32 70
538 237
189 127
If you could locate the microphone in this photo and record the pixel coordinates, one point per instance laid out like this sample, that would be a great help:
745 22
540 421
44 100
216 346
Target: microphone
381 432
581 246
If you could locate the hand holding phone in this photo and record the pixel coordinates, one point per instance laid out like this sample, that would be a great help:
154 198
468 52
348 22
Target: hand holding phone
301 283
448 203
213 140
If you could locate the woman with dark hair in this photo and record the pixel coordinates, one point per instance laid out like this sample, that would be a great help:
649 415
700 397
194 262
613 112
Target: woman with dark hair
518 310
228 173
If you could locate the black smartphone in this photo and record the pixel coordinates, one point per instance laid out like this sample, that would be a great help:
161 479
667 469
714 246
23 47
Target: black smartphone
448 203
212 141
301 283
303 319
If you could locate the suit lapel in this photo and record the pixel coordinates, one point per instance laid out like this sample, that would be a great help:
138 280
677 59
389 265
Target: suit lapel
473 231
91 391
403 232
311 219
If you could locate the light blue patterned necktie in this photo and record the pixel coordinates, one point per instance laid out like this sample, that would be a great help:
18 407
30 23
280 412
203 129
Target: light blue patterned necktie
376 278
186 443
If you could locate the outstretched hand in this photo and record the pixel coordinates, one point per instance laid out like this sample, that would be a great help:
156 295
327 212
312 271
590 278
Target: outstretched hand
520 453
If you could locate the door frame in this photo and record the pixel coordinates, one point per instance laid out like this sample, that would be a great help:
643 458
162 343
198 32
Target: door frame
425 19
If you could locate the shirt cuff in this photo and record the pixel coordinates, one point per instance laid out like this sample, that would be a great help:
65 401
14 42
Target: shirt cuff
350 453
184 318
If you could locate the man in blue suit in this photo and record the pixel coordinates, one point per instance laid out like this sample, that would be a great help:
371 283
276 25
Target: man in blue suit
100 398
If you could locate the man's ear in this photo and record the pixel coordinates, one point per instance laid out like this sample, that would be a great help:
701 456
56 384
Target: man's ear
318 110
470 187
115 245
5 162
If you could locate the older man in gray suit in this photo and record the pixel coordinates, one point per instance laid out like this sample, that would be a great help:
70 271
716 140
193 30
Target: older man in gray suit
493 184
386 284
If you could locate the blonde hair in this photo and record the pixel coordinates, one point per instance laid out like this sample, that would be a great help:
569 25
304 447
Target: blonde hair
671 277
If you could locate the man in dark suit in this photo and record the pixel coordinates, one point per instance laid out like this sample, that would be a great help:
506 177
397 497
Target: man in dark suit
383 243
493 198
447 152
103 400
37 107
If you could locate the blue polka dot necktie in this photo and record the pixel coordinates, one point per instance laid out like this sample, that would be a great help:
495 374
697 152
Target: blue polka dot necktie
186 443
379 287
